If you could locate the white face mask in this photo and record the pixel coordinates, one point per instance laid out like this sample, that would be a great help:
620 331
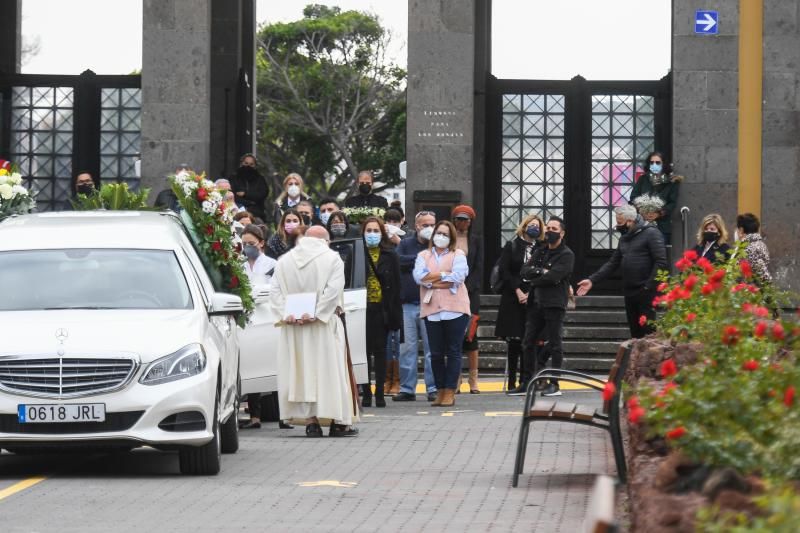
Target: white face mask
293 190
440 241
426 233
324 216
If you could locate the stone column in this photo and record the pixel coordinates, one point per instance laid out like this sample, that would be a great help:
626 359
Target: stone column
10 36
176 88
441 85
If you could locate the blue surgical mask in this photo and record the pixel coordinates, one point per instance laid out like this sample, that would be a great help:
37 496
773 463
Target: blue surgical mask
372 239
533 232
656 168
324 216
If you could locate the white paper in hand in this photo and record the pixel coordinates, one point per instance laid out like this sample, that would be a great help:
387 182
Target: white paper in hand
301 303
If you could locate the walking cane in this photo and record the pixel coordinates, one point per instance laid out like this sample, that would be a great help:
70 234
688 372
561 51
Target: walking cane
350 374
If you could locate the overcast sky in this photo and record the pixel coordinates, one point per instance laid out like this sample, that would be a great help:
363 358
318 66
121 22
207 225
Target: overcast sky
534 39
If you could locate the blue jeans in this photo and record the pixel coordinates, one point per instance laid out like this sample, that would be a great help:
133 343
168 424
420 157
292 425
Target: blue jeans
413 330
393 345
445 338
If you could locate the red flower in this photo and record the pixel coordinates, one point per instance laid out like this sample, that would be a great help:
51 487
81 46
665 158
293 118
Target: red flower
707 289
234 282
747 270
642 320
739 287
752 288
747 307
676 433
682 264
730 335
750 365
690 317
658 300
761 329
633 401
209 230
690 282
778 332
668 387
216 246
788 396
663 287
717 276
609 390
668 368
636 414
690 255
761 311
202 194
706 265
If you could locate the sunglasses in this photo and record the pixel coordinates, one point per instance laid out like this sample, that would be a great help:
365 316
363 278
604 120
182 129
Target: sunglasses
425 214
655 162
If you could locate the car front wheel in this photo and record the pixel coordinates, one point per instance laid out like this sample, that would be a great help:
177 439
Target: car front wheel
204 460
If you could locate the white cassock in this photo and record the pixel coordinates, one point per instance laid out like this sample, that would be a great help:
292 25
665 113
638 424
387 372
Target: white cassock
313 377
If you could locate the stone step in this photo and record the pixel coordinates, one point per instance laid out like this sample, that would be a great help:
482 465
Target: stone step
574 332
584 316
494 346
578 362
493 300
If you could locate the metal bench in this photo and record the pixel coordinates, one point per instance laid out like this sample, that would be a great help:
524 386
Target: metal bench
606 418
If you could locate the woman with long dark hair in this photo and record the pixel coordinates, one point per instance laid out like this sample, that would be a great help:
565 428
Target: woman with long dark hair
658 180
284 238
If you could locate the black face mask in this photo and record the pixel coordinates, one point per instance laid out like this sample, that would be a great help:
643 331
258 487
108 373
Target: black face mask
85 188
365 188
552 236
306 220
710 236
623 229
247 172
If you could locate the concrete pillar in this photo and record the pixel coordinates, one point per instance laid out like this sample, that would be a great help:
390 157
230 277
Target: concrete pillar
10 36
176 87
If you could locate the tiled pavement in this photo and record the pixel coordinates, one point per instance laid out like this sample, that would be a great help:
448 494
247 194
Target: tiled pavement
411 469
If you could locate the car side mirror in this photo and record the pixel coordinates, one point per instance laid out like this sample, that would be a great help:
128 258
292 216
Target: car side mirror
223 303
260 294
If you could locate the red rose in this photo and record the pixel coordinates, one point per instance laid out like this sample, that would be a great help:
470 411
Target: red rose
663 287
707 289
761 311
788 396
636 414
747 270
747 307
632 402
642 320
690 317
717 275
209 230
676 433
667 387
684 294
668 368
739 287
658 300
752 288
706 265
761 329
202 194
234 282
750 365
730 335
609 390
682 264
690 255
777 332
216 246
690 282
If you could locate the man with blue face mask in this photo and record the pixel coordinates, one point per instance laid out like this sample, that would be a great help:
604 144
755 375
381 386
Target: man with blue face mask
661 182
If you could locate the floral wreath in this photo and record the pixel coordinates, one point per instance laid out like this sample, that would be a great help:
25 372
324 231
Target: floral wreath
212 221
357 215
14 198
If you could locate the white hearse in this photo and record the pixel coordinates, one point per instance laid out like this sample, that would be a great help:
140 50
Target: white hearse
114 335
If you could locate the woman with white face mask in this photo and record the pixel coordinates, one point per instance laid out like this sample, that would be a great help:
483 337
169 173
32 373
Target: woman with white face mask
293 193
440 272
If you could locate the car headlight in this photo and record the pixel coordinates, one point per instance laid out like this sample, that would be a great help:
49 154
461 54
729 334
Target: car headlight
186 362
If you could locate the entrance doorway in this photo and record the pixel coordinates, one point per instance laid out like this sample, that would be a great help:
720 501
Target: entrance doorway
571 149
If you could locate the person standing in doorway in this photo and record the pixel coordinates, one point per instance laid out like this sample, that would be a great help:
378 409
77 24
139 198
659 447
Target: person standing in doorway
249 187
547 273
413 326
366 197
659 181
471 244
640 254
384 310
440 271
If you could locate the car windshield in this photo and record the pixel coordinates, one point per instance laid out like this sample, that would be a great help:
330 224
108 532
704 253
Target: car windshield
92 279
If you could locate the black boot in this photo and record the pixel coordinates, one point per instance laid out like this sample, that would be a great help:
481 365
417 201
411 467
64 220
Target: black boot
380 379
366 395
379 399
512 352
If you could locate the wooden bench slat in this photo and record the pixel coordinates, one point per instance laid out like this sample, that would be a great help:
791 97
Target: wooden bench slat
584 412
563 410
542 408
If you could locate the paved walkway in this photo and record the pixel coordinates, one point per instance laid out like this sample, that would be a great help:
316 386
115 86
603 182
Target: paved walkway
413 468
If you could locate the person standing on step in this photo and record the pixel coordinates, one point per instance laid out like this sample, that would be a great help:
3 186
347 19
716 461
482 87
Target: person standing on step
384 311
640 254
659 181
510 324
547 273
366 197
440 271
413 325
471 244
393 219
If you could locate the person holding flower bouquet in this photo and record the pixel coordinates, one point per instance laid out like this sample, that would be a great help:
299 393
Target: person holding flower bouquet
284 238
366 197
659 181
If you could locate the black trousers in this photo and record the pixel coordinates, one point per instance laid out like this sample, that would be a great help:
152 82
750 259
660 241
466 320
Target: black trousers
254 405
376 348
637 305
542 324
514 354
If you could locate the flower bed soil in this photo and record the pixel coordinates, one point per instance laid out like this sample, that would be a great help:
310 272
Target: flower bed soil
665 490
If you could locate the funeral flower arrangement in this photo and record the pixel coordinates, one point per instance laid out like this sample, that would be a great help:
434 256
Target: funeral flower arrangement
648 204
211 219
115 196
14 198
357 215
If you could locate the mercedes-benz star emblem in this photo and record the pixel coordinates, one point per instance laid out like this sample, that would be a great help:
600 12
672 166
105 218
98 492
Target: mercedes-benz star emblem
62 334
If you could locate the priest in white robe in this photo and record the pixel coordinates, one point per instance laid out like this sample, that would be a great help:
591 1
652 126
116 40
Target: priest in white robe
313 371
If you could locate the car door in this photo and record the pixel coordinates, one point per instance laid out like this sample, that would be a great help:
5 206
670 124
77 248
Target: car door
355 303
258 342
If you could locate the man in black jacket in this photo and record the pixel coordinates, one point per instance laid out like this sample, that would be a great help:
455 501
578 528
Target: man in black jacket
641 254
365 196
548 273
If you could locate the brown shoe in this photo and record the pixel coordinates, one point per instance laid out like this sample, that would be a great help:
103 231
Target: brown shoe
449 399
439 397
387 383
395 386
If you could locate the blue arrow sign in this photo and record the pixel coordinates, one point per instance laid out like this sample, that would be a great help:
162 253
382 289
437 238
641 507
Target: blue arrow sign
706 22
